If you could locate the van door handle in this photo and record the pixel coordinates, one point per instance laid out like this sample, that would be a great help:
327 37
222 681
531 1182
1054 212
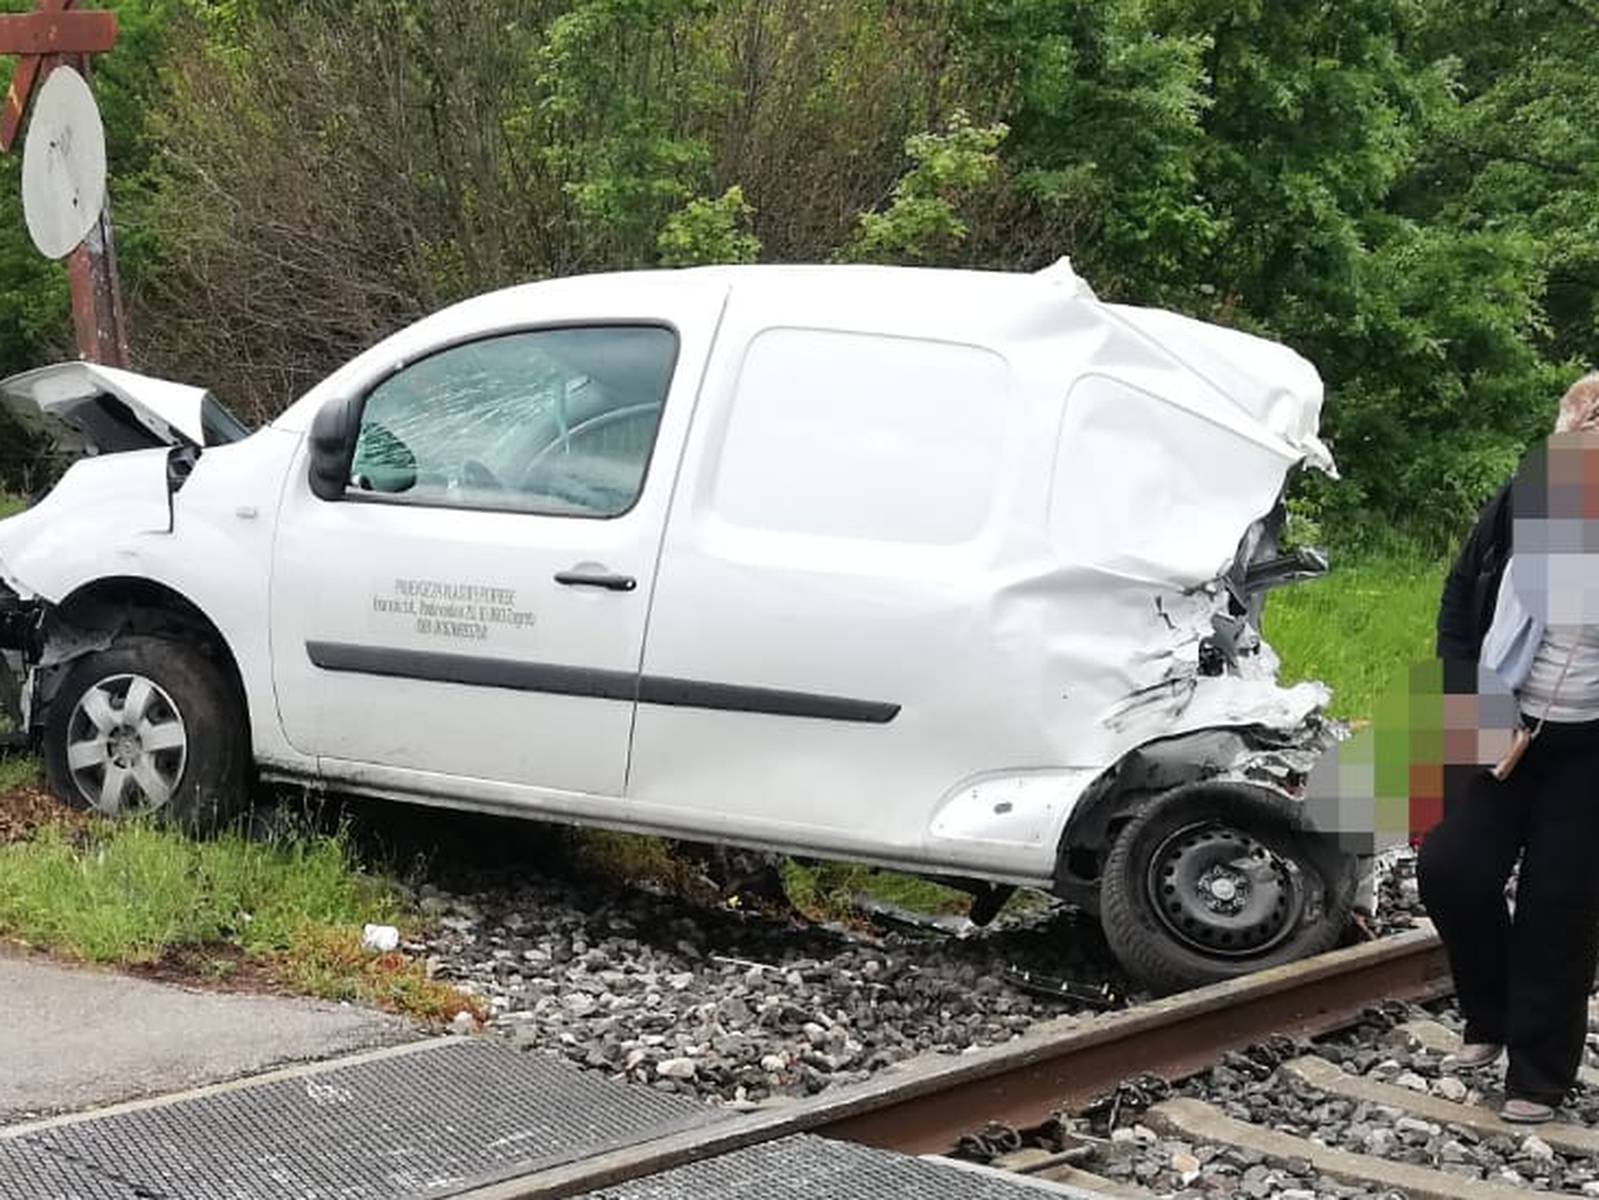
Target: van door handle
585 576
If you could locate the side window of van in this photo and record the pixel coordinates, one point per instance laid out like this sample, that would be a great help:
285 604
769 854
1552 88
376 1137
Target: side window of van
847 435
553 421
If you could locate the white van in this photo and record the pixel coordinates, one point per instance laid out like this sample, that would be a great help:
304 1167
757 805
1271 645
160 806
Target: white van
956 573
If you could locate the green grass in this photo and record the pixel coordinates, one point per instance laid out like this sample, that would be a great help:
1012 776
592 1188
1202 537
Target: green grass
18 773
132 893
822 892
826 891
129 892
633 858
1356 628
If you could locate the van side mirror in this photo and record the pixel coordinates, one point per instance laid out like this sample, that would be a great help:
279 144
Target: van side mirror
332 442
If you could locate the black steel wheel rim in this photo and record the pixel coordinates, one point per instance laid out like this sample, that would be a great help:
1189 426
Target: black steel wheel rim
1223 892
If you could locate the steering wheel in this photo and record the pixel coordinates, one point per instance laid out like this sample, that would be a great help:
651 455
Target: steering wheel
474 474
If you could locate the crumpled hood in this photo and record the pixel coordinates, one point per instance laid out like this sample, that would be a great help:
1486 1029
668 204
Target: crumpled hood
115 410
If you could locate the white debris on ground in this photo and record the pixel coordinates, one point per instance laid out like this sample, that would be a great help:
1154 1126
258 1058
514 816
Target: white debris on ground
380 939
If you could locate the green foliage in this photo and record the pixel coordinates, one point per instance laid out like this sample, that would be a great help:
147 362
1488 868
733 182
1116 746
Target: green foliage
1103 102
18 772
292 910
626 158
1402 190
923 218
34 312
1359 626
706 232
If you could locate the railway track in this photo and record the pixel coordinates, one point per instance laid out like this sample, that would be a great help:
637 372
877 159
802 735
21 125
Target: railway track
1212 1092
926 1107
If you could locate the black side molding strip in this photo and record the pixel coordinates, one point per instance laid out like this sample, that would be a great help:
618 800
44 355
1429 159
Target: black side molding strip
559 680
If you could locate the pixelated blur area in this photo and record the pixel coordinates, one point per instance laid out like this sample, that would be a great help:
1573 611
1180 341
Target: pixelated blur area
1555 537
1384 785
1442 721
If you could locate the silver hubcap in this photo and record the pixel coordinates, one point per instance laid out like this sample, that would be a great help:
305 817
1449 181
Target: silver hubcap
126 745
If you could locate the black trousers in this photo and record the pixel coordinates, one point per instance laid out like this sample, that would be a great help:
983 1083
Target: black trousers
1523 981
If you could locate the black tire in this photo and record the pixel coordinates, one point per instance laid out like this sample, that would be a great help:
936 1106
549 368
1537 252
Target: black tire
1168 937
210 790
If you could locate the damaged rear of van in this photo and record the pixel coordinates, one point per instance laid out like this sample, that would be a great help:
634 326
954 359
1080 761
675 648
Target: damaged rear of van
951 572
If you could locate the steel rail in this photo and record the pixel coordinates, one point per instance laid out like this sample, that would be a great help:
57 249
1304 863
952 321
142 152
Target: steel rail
923 1106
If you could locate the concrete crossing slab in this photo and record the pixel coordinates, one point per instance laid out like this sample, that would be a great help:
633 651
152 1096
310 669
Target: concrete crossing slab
77 1038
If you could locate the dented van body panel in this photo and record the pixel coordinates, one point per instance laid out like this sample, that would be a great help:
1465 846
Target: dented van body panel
115 521
919 563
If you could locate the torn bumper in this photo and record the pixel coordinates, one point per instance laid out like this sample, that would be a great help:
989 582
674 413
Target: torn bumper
19 620
19 629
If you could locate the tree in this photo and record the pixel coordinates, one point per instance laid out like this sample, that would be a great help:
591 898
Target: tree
1403 190
704 232
923 219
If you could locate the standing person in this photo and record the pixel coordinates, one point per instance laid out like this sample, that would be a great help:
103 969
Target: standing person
1519 602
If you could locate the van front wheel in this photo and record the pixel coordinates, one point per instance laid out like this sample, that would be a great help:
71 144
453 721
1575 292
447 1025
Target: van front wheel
148 725
1208 883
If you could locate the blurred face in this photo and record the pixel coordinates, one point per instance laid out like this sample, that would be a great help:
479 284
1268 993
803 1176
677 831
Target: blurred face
1556 534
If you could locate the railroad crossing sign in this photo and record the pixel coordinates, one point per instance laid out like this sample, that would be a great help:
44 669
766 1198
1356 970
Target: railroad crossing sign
56 34
63 165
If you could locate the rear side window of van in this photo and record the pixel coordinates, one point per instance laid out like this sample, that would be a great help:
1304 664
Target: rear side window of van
850 435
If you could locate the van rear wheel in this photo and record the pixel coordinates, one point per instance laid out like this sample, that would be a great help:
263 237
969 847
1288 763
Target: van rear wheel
150 725
1208 883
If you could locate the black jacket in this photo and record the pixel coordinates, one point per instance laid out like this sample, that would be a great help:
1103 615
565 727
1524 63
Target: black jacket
1466 608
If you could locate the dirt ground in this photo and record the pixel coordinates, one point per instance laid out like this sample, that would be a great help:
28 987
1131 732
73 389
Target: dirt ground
24 809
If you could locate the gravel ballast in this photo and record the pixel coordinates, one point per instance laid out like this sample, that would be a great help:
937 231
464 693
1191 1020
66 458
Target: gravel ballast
1250 1087
737 1007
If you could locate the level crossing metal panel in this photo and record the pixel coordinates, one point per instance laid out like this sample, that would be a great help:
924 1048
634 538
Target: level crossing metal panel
426 1124
804 1167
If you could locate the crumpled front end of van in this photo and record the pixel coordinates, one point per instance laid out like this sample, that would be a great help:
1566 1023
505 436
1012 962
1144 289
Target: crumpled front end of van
21 617
1166 517
18 616
1175 452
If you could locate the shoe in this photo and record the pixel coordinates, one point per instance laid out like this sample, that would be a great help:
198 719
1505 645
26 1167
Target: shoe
1526 1112
1473 1055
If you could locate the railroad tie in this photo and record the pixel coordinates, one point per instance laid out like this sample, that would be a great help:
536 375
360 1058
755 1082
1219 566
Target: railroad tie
1440 1039
1074 1185
1061 1167
1331 1078
1197 1121
1096 1185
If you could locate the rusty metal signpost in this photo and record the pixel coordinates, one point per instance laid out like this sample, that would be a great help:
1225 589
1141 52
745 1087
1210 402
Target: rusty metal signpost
56 34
